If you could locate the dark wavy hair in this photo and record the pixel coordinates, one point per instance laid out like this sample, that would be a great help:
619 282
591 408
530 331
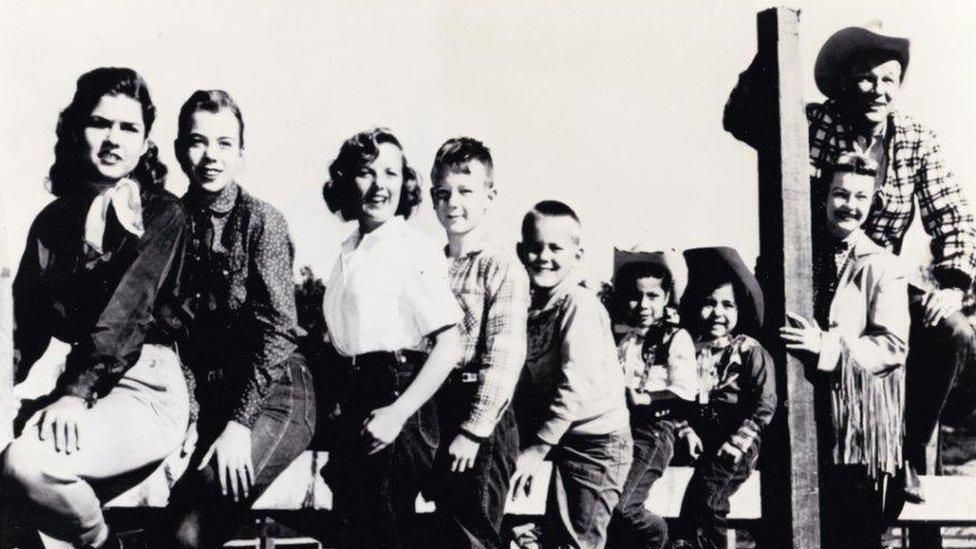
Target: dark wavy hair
357 152
69 168
455 154
204 100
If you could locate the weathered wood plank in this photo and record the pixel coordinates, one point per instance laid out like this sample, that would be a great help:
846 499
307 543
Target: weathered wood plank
790 479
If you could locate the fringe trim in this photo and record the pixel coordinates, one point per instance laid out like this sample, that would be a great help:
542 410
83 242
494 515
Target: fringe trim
868 412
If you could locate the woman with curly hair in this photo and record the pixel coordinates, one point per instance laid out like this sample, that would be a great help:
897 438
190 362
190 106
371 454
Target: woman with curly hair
391 316
100 262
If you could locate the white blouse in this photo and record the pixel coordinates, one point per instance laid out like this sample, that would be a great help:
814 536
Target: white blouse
388 291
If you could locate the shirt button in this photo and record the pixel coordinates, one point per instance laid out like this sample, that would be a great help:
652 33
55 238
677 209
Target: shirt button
225 272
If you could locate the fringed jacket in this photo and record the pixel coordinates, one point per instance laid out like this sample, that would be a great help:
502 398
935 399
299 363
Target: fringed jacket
863 353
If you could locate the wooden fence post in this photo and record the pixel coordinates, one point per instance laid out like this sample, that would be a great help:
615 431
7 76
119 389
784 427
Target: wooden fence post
790 490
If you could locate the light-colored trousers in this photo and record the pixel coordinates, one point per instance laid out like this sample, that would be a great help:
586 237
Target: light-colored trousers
122 439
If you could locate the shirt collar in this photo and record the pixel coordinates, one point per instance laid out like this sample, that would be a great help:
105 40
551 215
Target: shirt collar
716 344
561 290
475 243
358 240
218 203
845 245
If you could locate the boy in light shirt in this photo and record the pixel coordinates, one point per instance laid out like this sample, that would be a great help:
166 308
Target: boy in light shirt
571 395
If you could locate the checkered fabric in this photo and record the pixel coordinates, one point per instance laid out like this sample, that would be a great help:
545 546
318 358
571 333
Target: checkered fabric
915 170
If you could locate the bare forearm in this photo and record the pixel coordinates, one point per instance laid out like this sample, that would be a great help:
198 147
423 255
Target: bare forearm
435 370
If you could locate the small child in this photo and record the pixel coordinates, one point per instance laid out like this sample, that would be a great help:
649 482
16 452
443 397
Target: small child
479 437
658 359
737 394
571 395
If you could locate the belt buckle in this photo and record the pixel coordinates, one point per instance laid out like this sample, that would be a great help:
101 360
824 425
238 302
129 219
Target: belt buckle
469 377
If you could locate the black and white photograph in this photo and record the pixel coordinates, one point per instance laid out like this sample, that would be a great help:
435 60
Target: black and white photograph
487 275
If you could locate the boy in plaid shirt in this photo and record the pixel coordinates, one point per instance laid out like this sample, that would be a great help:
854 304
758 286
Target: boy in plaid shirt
479 437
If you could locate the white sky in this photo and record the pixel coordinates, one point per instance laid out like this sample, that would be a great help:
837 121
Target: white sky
614 108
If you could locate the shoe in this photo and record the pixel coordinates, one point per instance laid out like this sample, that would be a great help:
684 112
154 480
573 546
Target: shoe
913 486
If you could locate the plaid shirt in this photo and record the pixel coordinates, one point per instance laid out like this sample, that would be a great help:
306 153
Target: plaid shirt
493 290
915 170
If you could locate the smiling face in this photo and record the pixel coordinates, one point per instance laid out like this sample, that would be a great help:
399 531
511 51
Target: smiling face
848 203
872 89
646 302
550 249
462 198
719 313
213 149
114 137
379 185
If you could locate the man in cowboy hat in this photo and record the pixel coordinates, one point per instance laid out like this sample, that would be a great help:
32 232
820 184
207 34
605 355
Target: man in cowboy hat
861 71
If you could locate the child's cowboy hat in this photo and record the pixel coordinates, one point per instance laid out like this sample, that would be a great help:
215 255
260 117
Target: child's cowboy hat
669 259
708 267
834 59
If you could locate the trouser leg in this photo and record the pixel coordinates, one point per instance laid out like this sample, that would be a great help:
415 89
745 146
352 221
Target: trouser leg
122 439
632 524
199 515
589 472
471 505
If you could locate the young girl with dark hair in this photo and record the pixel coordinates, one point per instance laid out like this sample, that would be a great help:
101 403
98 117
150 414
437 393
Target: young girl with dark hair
239 333
737 396
391 316
100 261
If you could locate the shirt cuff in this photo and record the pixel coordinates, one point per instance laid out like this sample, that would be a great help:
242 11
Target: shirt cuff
949 277
553 430
745 436
830 349
478 428
82 386
248 408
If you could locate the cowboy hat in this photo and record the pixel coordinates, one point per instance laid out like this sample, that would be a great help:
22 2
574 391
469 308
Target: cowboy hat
670 260
716 265
834 59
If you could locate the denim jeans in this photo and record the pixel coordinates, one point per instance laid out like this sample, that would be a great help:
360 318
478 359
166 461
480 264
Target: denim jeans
375 494
633 525
198 514
471 505
123 438
702 522
588 477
